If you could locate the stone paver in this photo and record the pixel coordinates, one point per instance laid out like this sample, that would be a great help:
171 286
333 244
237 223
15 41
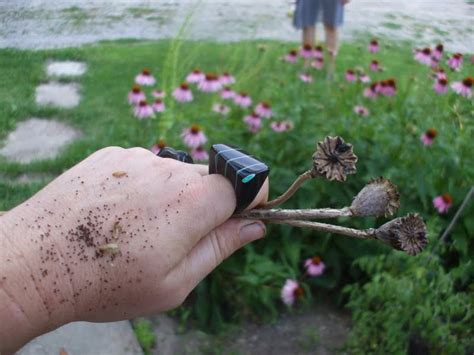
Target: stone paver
66 68
84 338
36 139
58 94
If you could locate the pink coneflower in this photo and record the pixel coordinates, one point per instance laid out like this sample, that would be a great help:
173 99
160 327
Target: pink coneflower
226 79
428 137
222 109
387 87
145 78
158 94
210 83
423 56
463 88
350 75
372 91
158 146
143 110
199 154
158 106
136 95
307 51
183 93
438 52
254 122
242 99
374 65
193 137
195 76
441 86
364 78
291 291
455 62
291 57
264 109
318 63
440 74
307 78
227 93
361 110
443 203
318 52
282 126
373 46
314 266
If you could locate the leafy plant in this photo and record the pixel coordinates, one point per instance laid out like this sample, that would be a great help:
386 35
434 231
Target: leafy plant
411 305
145 334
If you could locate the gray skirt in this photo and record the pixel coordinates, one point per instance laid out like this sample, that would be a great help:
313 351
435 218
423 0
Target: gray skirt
308 12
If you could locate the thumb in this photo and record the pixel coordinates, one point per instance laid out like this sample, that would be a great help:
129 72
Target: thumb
214 248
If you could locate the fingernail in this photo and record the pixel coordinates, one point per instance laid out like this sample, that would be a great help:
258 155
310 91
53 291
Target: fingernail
251 231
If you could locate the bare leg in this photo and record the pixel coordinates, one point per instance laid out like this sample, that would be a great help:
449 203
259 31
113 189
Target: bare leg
332 45
308 38
308 35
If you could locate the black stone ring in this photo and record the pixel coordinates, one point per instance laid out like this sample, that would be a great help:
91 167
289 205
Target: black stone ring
246 173
168 152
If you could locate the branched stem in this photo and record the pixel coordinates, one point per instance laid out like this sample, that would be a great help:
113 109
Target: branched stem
307 175
324 227
280 214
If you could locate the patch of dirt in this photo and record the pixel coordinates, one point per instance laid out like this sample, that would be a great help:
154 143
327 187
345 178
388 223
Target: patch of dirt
320 330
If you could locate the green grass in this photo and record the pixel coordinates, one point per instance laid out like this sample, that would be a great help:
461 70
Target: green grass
387 143
392 25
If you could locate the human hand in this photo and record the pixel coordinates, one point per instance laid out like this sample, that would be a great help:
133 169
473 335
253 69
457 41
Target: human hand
122 234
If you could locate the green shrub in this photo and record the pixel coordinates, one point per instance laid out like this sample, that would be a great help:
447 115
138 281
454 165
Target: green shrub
410 304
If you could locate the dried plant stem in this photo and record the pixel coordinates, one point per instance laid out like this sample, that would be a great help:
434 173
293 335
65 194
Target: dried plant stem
281 214
457 215
324 227
307 175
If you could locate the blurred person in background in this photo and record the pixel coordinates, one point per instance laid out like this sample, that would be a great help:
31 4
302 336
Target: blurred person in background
309 12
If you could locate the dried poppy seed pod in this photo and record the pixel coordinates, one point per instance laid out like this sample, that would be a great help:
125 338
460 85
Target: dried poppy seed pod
405 233
334 159
378 198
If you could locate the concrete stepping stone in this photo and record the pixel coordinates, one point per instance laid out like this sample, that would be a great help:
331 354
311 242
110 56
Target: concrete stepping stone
84 338
66 68
58 94
36 139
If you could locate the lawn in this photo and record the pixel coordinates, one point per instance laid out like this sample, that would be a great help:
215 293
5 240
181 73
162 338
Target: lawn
387 142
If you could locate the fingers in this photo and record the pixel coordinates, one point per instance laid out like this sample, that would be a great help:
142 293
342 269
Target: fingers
262 196
214 248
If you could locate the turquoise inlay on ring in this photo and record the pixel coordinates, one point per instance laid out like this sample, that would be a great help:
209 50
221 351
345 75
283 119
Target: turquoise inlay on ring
248 178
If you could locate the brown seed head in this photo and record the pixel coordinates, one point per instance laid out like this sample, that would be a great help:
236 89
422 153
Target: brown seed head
405 233
334 159
431 133
195 129
378 198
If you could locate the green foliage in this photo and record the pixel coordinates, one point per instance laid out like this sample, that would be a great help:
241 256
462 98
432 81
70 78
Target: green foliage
145 334
412 302
387 143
